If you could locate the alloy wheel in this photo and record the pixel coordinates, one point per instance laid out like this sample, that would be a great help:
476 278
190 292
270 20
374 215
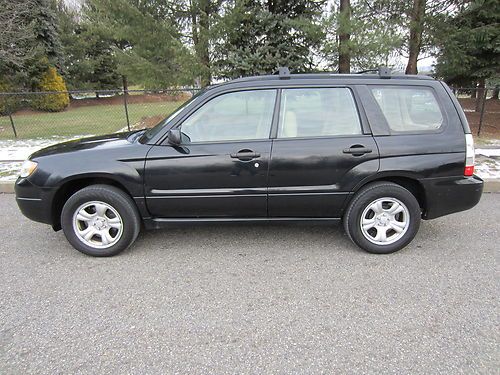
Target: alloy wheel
97 224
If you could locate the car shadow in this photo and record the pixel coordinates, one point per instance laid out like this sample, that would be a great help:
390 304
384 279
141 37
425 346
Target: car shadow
241 237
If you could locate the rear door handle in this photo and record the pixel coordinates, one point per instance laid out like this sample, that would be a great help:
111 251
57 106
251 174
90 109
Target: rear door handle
245 155
357 150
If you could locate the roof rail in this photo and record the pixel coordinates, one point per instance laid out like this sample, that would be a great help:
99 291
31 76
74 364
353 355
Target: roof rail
367 71
383 72
284 72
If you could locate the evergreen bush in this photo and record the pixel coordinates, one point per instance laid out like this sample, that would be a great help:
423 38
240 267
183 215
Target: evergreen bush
51 81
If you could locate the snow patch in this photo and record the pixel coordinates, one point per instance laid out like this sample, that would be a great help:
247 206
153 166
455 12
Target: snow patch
488 152
14 152
9 171
20 149
487 164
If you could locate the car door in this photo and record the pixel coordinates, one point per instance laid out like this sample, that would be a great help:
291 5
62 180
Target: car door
220 168
320 153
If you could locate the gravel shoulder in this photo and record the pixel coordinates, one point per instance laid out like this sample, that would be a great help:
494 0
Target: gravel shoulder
252 299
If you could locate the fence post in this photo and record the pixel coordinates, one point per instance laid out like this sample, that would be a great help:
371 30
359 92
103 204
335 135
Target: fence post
12 124
125 94
485 94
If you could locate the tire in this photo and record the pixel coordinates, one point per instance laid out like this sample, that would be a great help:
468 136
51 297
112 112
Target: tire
100 220
382 232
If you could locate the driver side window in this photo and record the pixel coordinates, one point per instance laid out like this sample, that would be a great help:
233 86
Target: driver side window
234 116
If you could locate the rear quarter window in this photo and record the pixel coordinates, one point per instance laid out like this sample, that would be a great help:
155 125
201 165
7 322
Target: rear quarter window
409 109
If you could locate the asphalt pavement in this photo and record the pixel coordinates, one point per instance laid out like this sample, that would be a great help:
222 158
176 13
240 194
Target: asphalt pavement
252 299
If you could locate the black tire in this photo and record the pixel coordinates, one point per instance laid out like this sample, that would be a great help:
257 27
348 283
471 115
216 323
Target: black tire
119 201
364 198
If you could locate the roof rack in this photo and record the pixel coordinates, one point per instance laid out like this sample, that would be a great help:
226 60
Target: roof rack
284 72
383 72
367 71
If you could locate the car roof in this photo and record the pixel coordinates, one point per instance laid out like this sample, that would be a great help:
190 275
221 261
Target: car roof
329 77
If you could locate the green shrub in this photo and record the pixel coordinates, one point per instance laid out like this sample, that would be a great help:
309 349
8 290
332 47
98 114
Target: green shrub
51 81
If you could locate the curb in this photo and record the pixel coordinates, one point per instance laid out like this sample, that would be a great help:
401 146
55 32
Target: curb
490 186
6 187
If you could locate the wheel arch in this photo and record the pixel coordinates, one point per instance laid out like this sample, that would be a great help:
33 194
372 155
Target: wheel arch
71 186
409 182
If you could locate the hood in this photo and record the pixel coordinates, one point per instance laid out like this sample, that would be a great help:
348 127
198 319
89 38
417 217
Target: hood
99 142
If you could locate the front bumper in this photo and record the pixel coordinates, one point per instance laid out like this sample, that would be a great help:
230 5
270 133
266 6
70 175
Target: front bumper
34 202
447 195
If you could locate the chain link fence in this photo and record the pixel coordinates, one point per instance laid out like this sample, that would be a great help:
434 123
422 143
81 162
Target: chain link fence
88 113
482 108
108 111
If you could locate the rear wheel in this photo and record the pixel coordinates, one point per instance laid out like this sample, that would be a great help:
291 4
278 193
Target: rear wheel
100 220
382 218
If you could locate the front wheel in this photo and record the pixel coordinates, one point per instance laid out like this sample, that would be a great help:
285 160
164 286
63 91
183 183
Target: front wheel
100 220
382 218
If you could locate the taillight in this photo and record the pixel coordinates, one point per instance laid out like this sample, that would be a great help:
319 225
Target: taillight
469 155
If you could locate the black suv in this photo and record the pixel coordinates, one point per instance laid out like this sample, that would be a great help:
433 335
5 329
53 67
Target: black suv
377 151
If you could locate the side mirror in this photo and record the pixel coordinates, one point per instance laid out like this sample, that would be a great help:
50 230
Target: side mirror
174 137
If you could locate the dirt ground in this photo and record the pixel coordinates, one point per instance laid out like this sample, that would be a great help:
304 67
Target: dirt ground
491 119
147 122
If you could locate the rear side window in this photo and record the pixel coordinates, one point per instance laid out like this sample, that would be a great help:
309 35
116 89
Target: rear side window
317 112
409 109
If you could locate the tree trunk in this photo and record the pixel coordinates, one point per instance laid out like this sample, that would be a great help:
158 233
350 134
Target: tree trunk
344 36
415 42
473 93
480 95
200 17
194 22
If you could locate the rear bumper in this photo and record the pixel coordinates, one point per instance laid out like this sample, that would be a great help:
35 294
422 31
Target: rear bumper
447 195
34 202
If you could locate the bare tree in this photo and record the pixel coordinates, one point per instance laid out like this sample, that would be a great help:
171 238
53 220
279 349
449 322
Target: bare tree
16 33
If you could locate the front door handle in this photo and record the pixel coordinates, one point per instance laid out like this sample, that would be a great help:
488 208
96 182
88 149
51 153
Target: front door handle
245 155
357 150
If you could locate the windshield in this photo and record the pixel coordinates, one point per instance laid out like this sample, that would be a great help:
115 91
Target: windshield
158 127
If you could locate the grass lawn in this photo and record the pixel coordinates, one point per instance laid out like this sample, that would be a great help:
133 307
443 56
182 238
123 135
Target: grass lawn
95 120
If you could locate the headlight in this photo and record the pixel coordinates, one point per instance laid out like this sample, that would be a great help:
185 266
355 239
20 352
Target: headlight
27 168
